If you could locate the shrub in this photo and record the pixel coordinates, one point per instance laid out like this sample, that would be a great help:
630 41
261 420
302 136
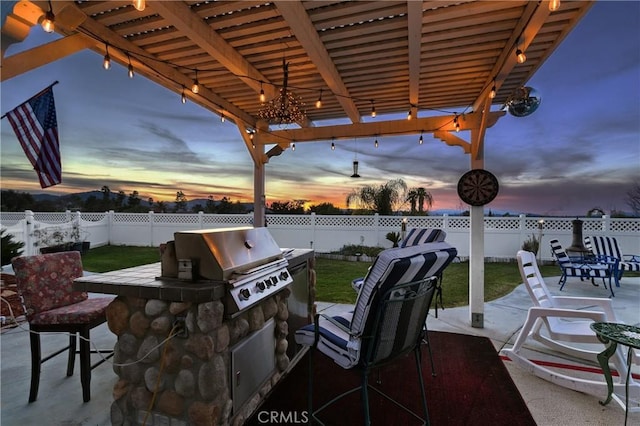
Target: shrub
531 244
10 248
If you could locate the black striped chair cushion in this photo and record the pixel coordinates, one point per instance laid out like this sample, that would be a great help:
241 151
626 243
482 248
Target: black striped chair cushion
422 236
608 247
392 267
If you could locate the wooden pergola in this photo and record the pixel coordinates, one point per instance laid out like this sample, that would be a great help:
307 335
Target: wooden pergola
422 57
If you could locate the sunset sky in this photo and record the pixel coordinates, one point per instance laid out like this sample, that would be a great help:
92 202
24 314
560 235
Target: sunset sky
579 150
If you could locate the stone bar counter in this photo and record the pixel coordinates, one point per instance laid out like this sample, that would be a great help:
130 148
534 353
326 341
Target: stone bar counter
174 375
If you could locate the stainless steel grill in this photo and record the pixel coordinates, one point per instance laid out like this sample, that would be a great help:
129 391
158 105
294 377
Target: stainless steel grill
246 259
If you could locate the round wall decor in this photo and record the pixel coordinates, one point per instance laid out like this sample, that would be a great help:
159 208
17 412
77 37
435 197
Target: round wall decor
478 187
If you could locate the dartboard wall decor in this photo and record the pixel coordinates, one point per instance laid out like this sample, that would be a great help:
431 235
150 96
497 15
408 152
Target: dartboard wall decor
478 187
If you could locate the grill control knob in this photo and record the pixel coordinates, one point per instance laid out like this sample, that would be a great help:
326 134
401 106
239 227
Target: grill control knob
244 294
284 275
269 282
261 286
274 280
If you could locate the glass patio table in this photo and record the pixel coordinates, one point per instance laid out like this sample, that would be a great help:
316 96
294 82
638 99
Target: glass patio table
612 334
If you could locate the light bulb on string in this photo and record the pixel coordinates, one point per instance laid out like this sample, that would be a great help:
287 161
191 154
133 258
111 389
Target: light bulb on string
554 5
48 20
492 94
421 140
293 146
520 56
130 67
222 117
455 122
183 97
373 110
333 146
319 101
106 62
195 88
263 98
139 5
375 143
409 115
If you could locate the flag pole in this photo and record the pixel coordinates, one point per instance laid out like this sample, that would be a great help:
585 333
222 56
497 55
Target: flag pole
36 95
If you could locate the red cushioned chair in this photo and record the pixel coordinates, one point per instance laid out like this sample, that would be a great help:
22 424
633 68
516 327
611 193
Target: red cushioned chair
45 284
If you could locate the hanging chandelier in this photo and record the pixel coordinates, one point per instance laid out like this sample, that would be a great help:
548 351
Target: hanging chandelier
286 108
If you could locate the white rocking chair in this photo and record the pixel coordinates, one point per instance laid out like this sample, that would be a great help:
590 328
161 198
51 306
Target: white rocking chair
566 320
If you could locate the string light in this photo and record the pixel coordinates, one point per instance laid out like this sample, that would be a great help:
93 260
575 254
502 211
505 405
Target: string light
520 56
373 109
319 101
263 98
421 140
492 94
106 63
293 146
130 67
222 117
139 5
554 5
375 143
409 115
195 88
333 146
48 20
455 122
183 97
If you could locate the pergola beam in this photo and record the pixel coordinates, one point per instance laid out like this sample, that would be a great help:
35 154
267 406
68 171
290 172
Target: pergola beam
302 26
382 128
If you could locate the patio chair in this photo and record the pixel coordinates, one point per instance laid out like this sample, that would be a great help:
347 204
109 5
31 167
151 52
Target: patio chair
561 322
582 267
388 320
45 283
607 249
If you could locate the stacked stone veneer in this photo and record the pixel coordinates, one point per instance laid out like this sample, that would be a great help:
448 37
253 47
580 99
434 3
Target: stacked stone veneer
185 381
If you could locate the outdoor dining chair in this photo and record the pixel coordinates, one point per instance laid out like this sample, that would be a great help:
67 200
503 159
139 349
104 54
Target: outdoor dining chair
387 322
45 283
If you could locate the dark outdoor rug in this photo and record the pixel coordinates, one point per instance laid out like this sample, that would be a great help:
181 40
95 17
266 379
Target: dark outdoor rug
471 387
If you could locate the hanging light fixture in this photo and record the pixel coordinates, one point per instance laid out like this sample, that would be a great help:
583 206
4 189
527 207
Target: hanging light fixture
293 146
319 101
554 5
375 143
409 115
373 110
262 96
106 62
492 94
455 123
222 117
355 161
139 5
520 56
286 108
130 67
183 97
48 20
195 88
333 146
421 140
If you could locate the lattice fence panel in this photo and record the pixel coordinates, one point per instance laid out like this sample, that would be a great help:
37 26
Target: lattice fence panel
346 221
210 219
10 218
501 223
183 219
458 223
131 218
289 220
51 217
625 226
93 217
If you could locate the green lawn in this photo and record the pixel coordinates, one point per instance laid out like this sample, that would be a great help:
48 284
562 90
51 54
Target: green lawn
334 276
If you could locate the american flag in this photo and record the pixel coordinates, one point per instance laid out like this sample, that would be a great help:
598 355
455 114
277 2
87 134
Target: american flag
36 127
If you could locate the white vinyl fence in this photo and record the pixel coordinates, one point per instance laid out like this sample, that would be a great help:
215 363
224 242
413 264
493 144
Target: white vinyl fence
504 236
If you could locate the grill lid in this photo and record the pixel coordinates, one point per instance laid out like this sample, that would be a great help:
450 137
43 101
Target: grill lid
218 253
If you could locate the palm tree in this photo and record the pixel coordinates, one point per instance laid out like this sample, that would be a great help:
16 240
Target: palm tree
424 196
383 199
412 198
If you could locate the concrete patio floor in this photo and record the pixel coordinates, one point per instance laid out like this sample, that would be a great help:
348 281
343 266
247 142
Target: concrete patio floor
60 398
